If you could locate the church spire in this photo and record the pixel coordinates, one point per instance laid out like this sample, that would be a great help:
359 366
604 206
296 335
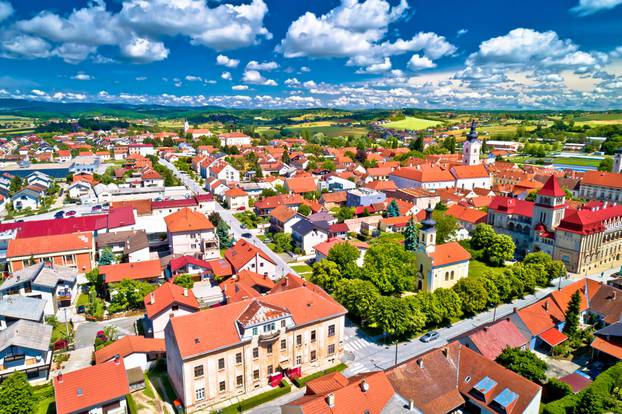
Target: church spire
472 135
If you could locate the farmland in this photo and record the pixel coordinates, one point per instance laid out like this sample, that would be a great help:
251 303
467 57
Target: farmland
412 123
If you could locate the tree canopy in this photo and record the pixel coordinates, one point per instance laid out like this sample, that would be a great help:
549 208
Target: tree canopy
16 395
523 362
390 268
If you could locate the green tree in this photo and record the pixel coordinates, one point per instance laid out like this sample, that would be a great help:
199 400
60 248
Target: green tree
326 274
361 153
482 236
473 295
358 296
184 280
395 317
446 226
344 213
344 255
450 302
606 164
96 280
590 402
499 250
282 242
573 311
16 395
129 294
304 209
411 236
557 389
417 144
390 268
222 232
393 210
15 185
523 362
106 257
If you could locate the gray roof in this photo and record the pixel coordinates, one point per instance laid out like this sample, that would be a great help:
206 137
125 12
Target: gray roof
305 227
41 275
321 216
22 307
132 240
615 329
26 334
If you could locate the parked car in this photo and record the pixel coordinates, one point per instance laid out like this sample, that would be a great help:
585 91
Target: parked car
241 208
247 235
96 208
101 335
81 309
430 336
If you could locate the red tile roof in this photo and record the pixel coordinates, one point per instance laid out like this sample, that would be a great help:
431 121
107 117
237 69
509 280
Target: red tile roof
324 247
136 271
562 296
466 214
577 382
245 285
242 252
301 185
129 345
282 213
220 267
541 316
182 261
167 295
449 253
492 340
608 347
187 220
602 179
50 244
588 220
551 188
425 175
553 336
509 205
464 172
89 387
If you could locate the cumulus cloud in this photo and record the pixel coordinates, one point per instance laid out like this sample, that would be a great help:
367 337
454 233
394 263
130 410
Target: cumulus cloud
587 7
239 87
82 76
417 62
305 69
223 60
138 29
267 66
193 78
375 68
255 78
226 76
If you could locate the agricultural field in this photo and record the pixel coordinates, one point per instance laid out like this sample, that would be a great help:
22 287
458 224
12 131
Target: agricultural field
334 131
15 125
580 162
312 124
412 123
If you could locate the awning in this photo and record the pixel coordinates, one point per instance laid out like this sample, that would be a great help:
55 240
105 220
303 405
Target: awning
553 337
609 348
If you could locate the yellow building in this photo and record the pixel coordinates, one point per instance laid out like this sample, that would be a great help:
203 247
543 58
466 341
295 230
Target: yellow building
439 265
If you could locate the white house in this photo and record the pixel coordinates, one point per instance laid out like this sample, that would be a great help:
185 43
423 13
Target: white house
236 199
167 301
234 139
136 351
39 178
307 235
27 198
471 176
246 256
428 178
224 171
81 189
191 233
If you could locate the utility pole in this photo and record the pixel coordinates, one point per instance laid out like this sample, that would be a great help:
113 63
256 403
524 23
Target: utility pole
396 343
66 323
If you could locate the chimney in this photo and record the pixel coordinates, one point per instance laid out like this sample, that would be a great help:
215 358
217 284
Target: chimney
446 352
364 385
59 378
117 359
186 292
411 405
613 295
330 400
420 363
151 298
546 305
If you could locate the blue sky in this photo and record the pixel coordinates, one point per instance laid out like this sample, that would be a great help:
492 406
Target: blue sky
480 54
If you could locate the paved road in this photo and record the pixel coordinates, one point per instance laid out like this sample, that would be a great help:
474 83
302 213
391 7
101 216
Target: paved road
226 214
86 331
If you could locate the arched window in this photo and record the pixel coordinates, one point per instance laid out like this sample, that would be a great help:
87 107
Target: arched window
446 275
452 275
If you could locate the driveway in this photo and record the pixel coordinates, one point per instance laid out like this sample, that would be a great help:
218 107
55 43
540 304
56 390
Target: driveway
86 331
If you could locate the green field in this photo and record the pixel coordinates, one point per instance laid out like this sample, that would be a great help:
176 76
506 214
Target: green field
583 162
477 268
334 131
412 123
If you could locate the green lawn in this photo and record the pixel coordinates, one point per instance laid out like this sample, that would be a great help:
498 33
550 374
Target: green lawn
388 238
302 269
412 123
477 268
83 299
584 162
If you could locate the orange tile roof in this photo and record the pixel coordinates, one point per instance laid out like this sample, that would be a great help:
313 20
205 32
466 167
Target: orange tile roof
136 271
609 348
553 336
424 175
245 285
348 393
282 213
187 220
324 247
32 246
602 179
541 316
167 295
218 327
128 345
381 185
89 387
449 253
464 172
469 215
236 192
242 252
301 185
562 296
142 207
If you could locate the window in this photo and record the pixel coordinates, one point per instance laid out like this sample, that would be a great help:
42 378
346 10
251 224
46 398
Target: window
198 371
331 349
221 363
446 275
283 323
255 352
269 369
254 331
222 386
239 381
298 340
175 307
238 358
313 336
298 360
331 330
269 349
313 356
283 344
199 394
256 375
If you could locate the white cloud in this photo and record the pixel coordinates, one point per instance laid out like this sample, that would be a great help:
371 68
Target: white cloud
462 32
227 61
267 66
417 62
82 76
239 87
587 7
192 78
226 76
141 78
5 10
38 92
25 46
143 50
292 82
305 69
255 78
376 68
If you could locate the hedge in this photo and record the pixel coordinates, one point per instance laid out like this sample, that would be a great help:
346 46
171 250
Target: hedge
259 399
301 382
131 404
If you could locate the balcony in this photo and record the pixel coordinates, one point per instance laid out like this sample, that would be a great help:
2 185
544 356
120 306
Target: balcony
270 337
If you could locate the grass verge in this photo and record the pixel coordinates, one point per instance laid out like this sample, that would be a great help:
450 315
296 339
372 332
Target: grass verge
301 382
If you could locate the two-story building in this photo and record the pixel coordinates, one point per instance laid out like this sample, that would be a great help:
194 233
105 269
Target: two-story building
164 303
246 256
191 233
25 347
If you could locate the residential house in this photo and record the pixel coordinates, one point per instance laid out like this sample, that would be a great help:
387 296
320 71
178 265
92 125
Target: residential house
265 206
236 199
224 172
164 303
234 139
333 200
471 176
190 265
56 285
428 178
421 199
467 217
132 244
491 340
98 389
149 271
282 219
306 235
364 197
323 249
455 377
40 179
300 185
246 256
136 352
241 349
14 308
191 233
72 250
81 190
28 197
25 347
245 285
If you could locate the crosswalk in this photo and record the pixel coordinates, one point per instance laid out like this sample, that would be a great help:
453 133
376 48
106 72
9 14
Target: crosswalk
355 343
356 368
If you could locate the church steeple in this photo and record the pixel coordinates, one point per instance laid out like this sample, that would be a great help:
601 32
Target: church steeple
427 235
472 135
471 148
